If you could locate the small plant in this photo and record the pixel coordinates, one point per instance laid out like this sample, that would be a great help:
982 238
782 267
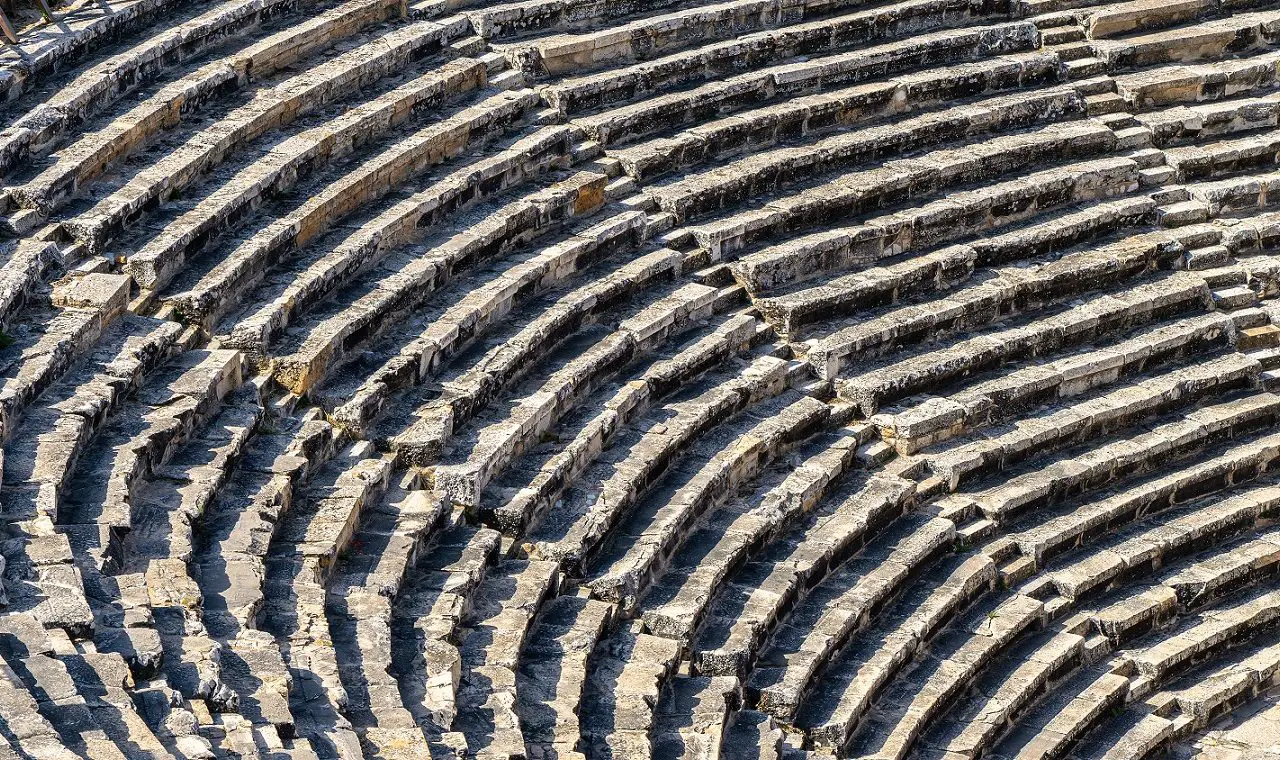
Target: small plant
6 340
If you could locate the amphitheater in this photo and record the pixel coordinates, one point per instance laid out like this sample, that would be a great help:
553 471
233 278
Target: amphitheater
626 379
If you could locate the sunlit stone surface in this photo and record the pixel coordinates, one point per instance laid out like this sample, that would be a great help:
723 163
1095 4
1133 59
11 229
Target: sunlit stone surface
589 379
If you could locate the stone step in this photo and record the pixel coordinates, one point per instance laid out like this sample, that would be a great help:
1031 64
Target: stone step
1082 701
268 109
1189 43
625 676
1137 16
1164 537
965 460
426 616
824 112
584 514
1032 669
662 111
669 72
1143 452
675 606
824 624
1058 533
643 544
552 677
921 421
502 612
696 194
896 378
972 643
156 262
100 85
757 598
961 215
1191 83
592 430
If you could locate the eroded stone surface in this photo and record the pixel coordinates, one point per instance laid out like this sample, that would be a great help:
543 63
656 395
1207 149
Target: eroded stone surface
578 379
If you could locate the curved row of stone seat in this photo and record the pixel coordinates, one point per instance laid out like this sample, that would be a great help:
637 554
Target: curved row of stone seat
419 352
1144 452
822 624
1053 657
43 449
74 703
269 108
621 124
593 358
406 280
100 87
426 614
1200 636
876 663
751 130
1112 19
998 448
1220 157
642 544
53 48
960 215
1182 530
607 491
579 355
523 493
551 679
681 69
697 194
518 17
47 341
678 600
205 218
666 32
746 611
1196 83
895 378
1177 126
991 397
346 252
1234 462
1215 38
894 181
